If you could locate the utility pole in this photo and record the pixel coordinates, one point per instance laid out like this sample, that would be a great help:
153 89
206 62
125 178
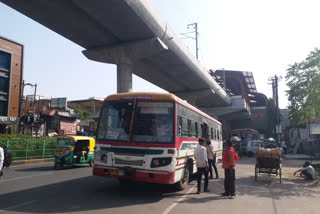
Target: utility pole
276 114
195 27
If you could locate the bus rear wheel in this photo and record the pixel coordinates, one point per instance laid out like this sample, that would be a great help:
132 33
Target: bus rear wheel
182 184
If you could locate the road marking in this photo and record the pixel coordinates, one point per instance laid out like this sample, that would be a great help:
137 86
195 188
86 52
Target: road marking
180 199
48 173
15 206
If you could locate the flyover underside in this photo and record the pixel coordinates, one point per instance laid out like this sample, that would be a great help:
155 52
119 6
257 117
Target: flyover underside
110 25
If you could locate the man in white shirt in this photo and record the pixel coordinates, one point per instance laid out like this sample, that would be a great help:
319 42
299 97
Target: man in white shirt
200 154
307 171
1 160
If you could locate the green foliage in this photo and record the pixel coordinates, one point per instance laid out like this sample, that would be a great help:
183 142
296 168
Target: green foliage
303 80
26 146
82 113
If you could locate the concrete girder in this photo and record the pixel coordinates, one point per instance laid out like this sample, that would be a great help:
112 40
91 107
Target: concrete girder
193 96
125 56
239 109
126 53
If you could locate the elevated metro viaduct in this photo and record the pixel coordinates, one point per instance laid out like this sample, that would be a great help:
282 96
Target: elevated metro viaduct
132 35
241 83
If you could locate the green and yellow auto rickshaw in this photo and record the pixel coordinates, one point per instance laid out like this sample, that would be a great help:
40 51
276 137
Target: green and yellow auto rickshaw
74 150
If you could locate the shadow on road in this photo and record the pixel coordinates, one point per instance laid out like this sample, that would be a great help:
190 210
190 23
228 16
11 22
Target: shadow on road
49 168
85 194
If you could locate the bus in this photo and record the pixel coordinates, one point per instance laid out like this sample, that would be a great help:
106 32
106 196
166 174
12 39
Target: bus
246 135
151 137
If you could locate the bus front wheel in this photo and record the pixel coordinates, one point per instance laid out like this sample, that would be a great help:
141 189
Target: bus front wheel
182 184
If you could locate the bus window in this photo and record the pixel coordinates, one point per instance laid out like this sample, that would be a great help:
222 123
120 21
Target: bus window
115 121
197 130
189 128
211 133
153 122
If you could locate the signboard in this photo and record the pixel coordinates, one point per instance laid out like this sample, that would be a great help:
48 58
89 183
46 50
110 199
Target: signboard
314 128
48 111
59 102
9 120
69 127
30 98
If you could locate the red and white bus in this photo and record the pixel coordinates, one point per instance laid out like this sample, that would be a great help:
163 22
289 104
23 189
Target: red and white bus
151 137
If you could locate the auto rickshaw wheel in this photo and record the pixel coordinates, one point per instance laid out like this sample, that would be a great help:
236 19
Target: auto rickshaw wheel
91 162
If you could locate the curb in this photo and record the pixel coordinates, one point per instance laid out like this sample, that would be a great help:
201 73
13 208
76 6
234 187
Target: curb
32 161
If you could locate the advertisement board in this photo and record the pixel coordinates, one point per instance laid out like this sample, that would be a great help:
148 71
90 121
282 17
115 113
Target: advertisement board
314 128
69 127
48 111
59 102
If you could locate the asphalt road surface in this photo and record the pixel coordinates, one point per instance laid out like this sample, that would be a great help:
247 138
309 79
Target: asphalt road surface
40 189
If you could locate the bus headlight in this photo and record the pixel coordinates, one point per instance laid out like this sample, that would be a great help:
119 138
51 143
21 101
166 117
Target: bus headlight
158 162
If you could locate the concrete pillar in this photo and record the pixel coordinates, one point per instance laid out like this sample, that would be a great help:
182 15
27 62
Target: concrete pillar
124 77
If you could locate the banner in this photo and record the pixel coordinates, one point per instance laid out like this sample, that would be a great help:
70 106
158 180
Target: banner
69 127
48 111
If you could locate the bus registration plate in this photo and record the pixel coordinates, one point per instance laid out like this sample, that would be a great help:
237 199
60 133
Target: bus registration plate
114 173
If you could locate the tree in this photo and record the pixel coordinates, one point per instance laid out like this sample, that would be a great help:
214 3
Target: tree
303 80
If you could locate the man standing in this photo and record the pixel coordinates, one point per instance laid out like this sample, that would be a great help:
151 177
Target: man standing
1 160
211 159
200 154
229 164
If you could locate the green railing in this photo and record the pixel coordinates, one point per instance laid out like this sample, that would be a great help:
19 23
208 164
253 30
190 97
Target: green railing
30 148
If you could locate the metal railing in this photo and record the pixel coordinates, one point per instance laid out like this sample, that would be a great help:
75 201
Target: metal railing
29 148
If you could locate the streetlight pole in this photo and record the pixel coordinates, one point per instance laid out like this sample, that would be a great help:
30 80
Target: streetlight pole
26 102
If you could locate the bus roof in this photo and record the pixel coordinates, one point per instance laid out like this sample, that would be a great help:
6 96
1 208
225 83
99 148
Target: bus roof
157 96
142 96
244 130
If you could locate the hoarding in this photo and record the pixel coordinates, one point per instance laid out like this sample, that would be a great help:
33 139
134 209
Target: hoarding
69 127
314 128
59 102
48 111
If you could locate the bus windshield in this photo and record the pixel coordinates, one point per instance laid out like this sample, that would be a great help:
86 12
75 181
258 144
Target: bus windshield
153 121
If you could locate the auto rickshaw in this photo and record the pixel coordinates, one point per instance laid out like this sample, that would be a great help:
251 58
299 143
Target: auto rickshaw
72 150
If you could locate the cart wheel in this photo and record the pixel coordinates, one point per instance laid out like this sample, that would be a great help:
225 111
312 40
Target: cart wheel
280 174
256 173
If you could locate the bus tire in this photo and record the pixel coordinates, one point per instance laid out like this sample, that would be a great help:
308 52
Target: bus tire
182 184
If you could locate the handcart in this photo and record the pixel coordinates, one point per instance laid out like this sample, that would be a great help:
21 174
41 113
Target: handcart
268 161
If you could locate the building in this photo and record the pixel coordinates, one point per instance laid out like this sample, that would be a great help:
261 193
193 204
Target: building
11 74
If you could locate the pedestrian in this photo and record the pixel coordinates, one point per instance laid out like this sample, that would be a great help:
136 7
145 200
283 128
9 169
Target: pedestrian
200 154
211 159
229 164
1 160
307 171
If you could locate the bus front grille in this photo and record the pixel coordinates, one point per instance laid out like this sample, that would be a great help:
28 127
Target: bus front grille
129 162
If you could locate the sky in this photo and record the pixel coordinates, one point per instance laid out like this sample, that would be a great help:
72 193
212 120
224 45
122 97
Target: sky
263 37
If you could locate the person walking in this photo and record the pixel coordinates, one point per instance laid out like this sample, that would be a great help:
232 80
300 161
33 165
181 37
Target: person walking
211 159
200 154
229 164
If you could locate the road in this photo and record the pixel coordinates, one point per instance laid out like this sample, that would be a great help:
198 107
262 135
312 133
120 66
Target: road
40 189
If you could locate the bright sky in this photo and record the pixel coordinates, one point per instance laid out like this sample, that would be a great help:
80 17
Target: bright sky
263 37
